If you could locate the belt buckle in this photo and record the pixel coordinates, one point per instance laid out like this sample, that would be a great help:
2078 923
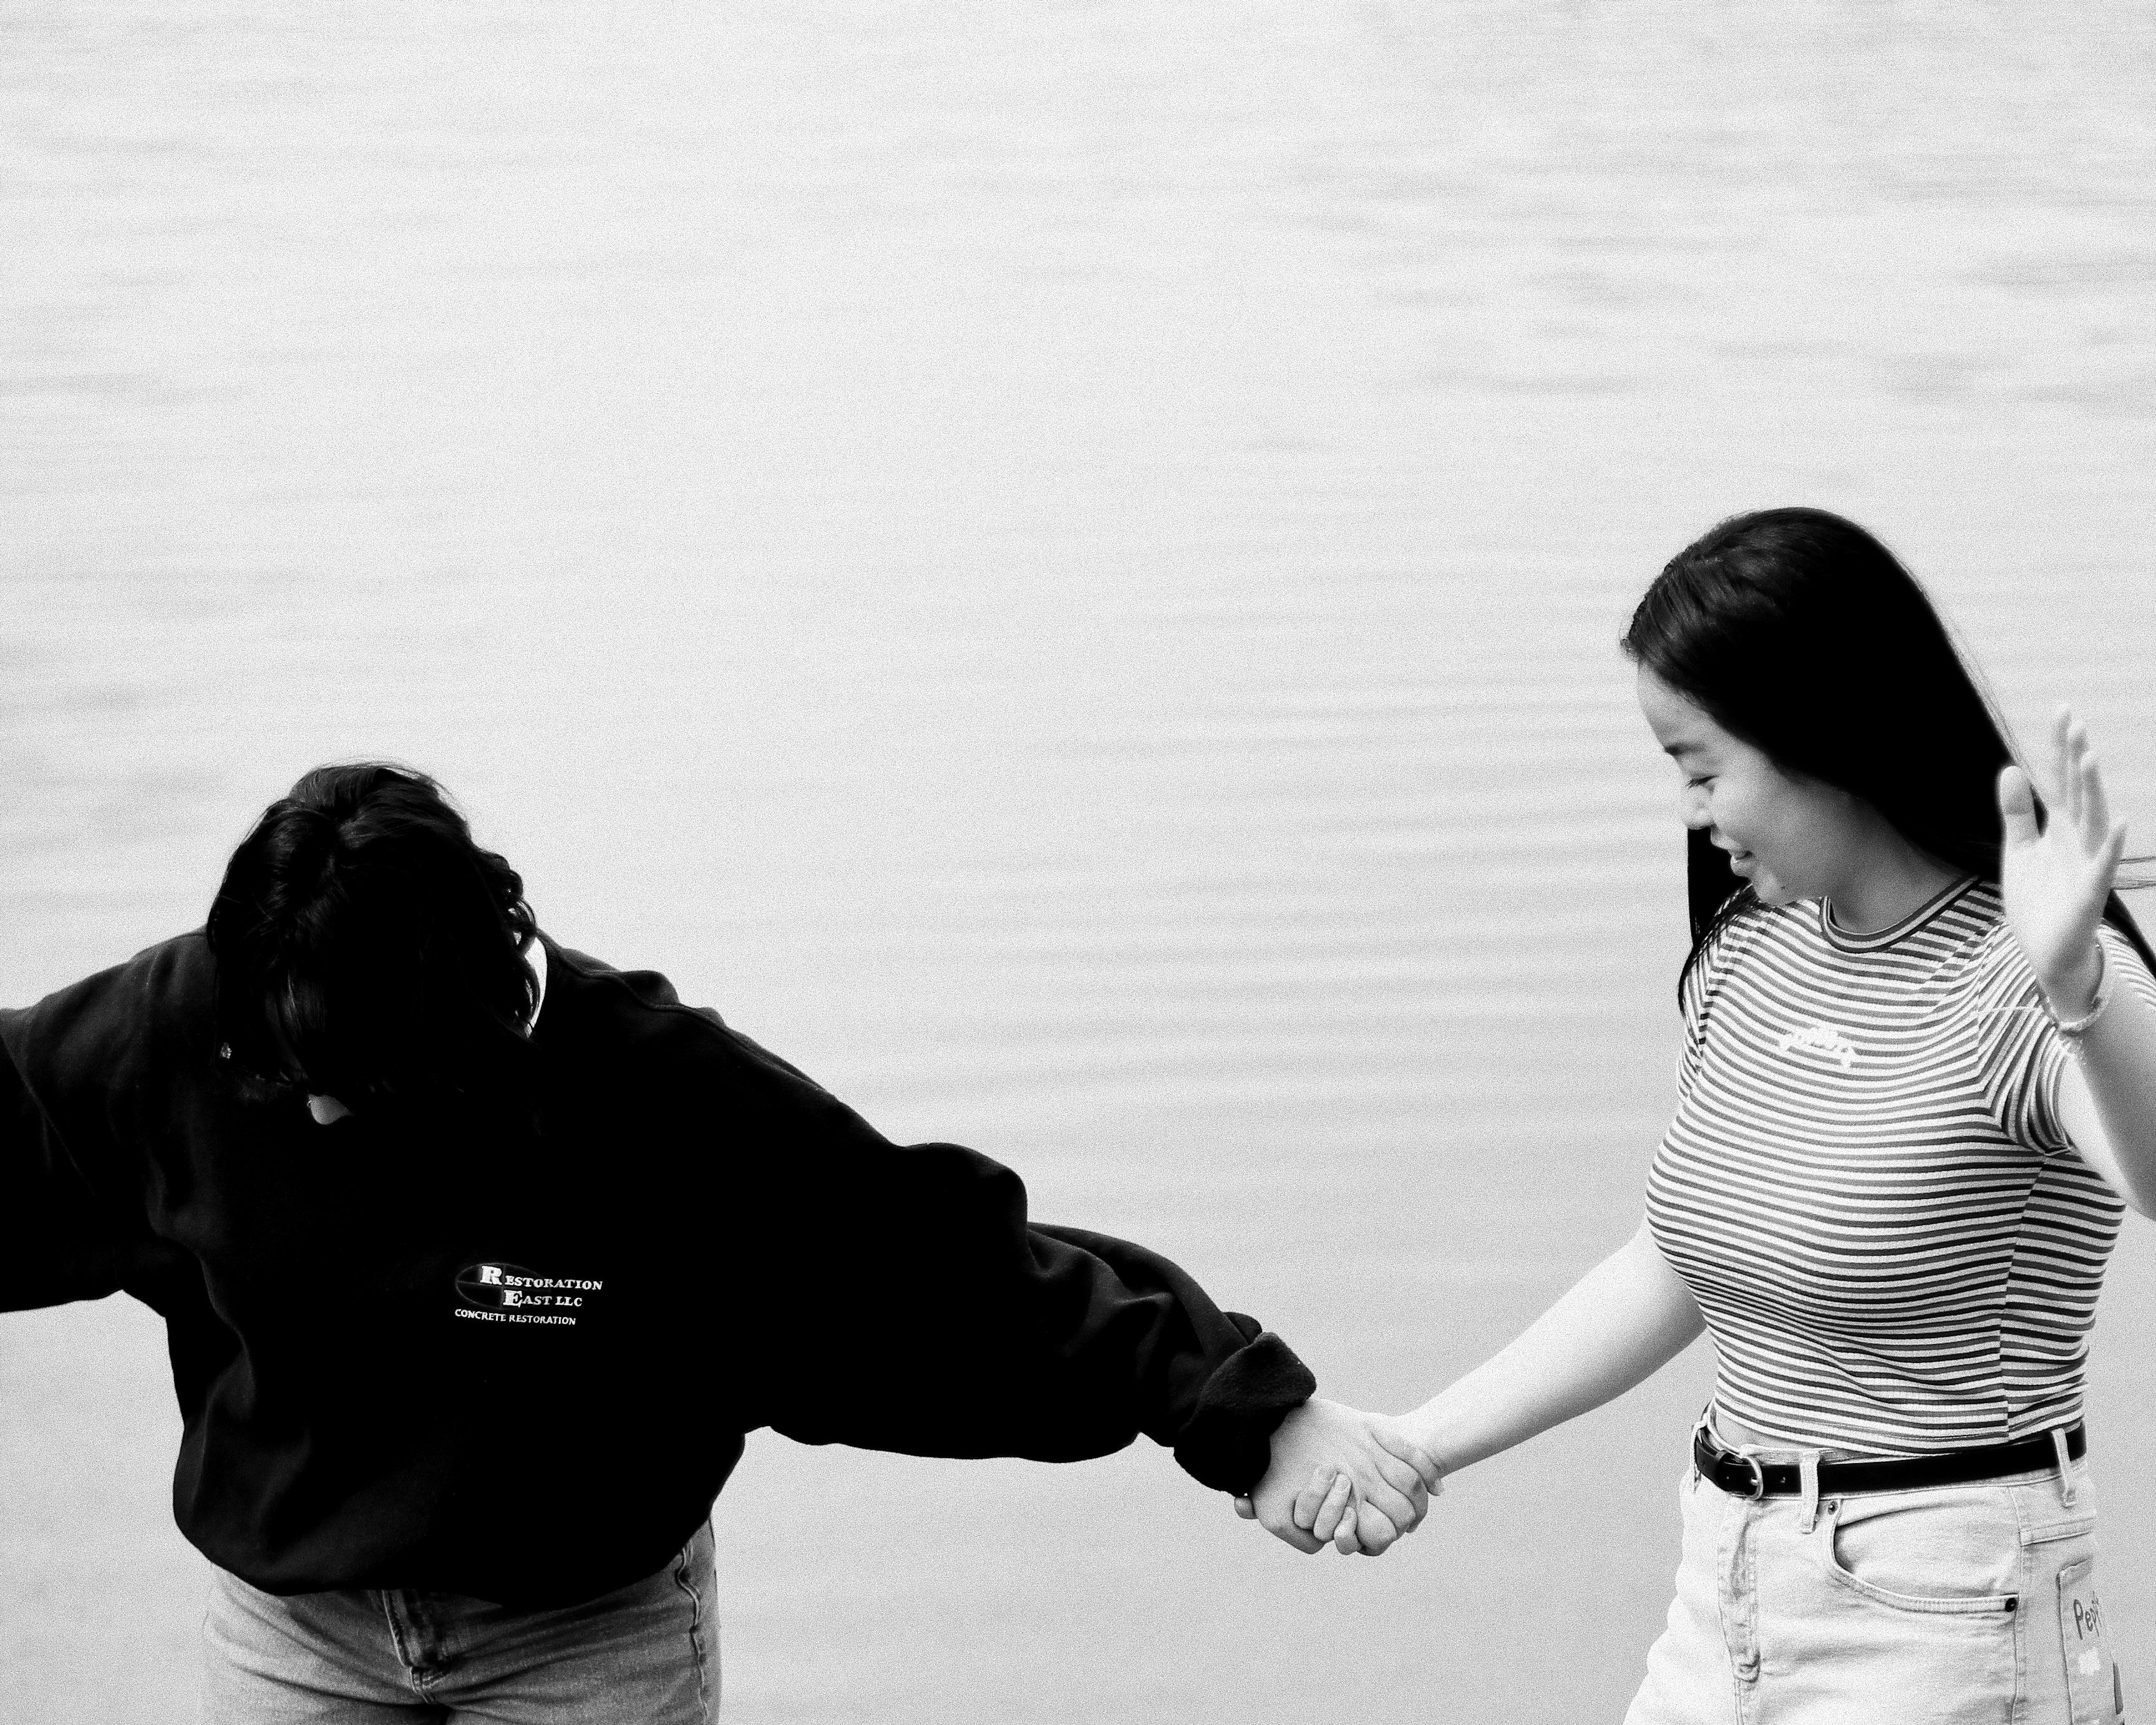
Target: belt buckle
1758 1476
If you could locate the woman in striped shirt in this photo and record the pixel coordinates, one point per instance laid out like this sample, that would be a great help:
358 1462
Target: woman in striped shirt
1918 1092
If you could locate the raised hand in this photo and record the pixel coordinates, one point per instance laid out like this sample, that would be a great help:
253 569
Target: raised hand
1355 1475
2055 882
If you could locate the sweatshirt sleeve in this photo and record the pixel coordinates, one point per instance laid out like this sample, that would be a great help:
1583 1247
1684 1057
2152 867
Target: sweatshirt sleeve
60 1239
911 1305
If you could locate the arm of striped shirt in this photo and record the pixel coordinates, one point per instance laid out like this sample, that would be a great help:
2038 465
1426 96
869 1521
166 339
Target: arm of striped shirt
2106 1091
1619 1325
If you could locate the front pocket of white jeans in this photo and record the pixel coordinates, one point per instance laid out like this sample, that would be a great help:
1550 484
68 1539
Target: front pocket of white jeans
1905 1524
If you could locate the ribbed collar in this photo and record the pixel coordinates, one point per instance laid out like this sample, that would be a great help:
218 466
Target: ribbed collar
1841 939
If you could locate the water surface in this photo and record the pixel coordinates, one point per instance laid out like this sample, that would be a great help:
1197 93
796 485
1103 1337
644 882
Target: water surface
1059 565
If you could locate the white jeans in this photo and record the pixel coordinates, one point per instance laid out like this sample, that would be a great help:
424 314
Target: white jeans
1952 1605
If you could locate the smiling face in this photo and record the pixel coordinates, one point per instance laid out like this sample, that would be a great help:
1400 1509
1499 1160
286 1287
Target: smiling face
1788 836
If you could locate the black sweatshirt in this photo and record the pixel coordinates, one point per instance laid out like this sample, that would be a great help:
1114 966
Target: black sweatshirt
518 1359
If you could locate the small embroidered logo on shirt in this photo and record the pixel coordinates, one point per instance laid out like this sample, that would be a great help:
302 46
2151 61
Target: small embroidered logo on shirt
511 1294
1821 1039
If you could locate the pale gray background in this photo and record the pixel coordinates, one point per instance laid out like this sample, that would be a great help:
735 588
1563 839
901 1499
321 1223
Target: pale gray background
1059 564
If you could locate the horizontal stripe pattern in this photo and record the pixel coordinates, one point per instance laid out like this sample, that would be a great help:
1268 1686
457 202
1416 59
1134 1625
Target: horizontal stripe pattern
1865 1184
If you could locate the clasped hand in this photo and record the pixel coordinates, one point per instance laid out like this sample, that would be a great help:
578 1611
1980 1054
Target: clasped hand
1343 1477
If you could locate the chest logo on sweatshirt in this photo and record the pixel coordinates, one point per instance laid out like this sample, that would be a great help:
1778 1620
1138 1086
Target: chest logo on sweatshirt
511 1294
1828 1040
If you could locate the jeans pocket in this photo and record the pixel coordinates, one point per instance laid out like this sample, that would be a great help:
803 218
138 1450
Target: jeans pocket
2093 1690
1952 1553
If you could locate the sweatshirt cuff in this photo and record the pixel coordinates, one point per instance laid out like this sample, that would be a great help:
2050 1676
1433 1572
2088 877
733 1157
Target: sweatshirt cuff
1228 1444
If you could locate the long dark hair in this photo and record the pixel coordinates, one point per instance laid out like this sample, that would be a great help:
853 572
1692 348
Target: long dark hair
367 948
1800 634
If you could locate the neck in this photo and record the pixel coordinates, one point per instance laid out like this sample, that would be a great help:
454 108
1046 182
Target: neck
1894 879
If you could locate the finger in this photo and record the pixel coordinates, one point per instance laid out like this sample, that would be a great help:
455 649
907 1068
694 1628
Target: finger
2095 806
1396 1473
1346 1540
1394 1504
1427 1467
1289 1533
2017 806
1310 1498
1405 1480
1374 1533
1337 1510
1246 1509
2060 790
2078 756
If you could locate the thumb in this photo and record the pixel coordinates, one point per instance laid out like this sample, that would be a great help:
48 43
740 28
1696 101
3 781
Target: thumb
1397 1444
2017 806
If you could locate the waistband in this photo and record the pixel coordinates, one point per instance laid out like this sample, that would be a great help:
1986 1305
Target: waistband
1742 1476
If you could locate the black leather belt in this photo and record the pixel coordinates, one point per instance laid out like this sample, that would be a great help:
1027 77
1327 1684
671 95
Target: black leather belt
1742 1476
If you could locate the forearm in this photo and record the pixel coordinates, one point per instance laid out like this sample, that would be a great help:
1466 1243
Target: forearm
1214 1385
2108 1100
1007 1338
1620 1324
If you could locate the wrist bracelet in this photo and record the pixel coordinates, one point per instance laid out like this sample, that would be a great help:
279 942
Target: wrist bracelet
2073 1030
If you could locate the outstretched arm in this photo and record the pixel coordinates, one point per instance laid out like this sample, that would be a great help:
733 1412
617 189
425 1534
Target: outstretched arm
62 1237
904 1300
1620 1323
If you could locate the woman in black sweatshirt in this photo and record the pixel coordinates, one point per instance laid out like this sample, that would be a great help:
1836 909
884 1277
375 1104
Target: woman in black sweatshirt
479 1258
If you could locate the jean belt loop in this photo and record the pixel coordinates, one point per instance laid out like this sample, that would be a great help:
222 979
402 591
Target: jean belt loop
2066 1464
1808 1462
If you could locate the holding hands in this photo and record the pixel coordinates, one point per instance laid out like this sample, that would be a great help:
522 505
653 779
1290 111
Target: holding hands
1344 1477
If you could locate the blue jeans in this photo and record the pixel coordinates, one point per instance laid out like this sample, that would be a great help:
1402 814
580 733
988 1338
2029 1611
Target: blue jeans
647 1654
1953 1605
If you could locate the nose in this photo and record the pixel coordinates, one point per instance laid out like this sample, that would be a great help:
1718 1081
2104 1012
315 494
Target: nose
1692 808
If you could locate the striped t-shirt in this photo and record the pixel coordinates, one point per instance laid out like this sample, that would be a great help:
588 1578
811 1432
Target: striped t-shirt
1866 1187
